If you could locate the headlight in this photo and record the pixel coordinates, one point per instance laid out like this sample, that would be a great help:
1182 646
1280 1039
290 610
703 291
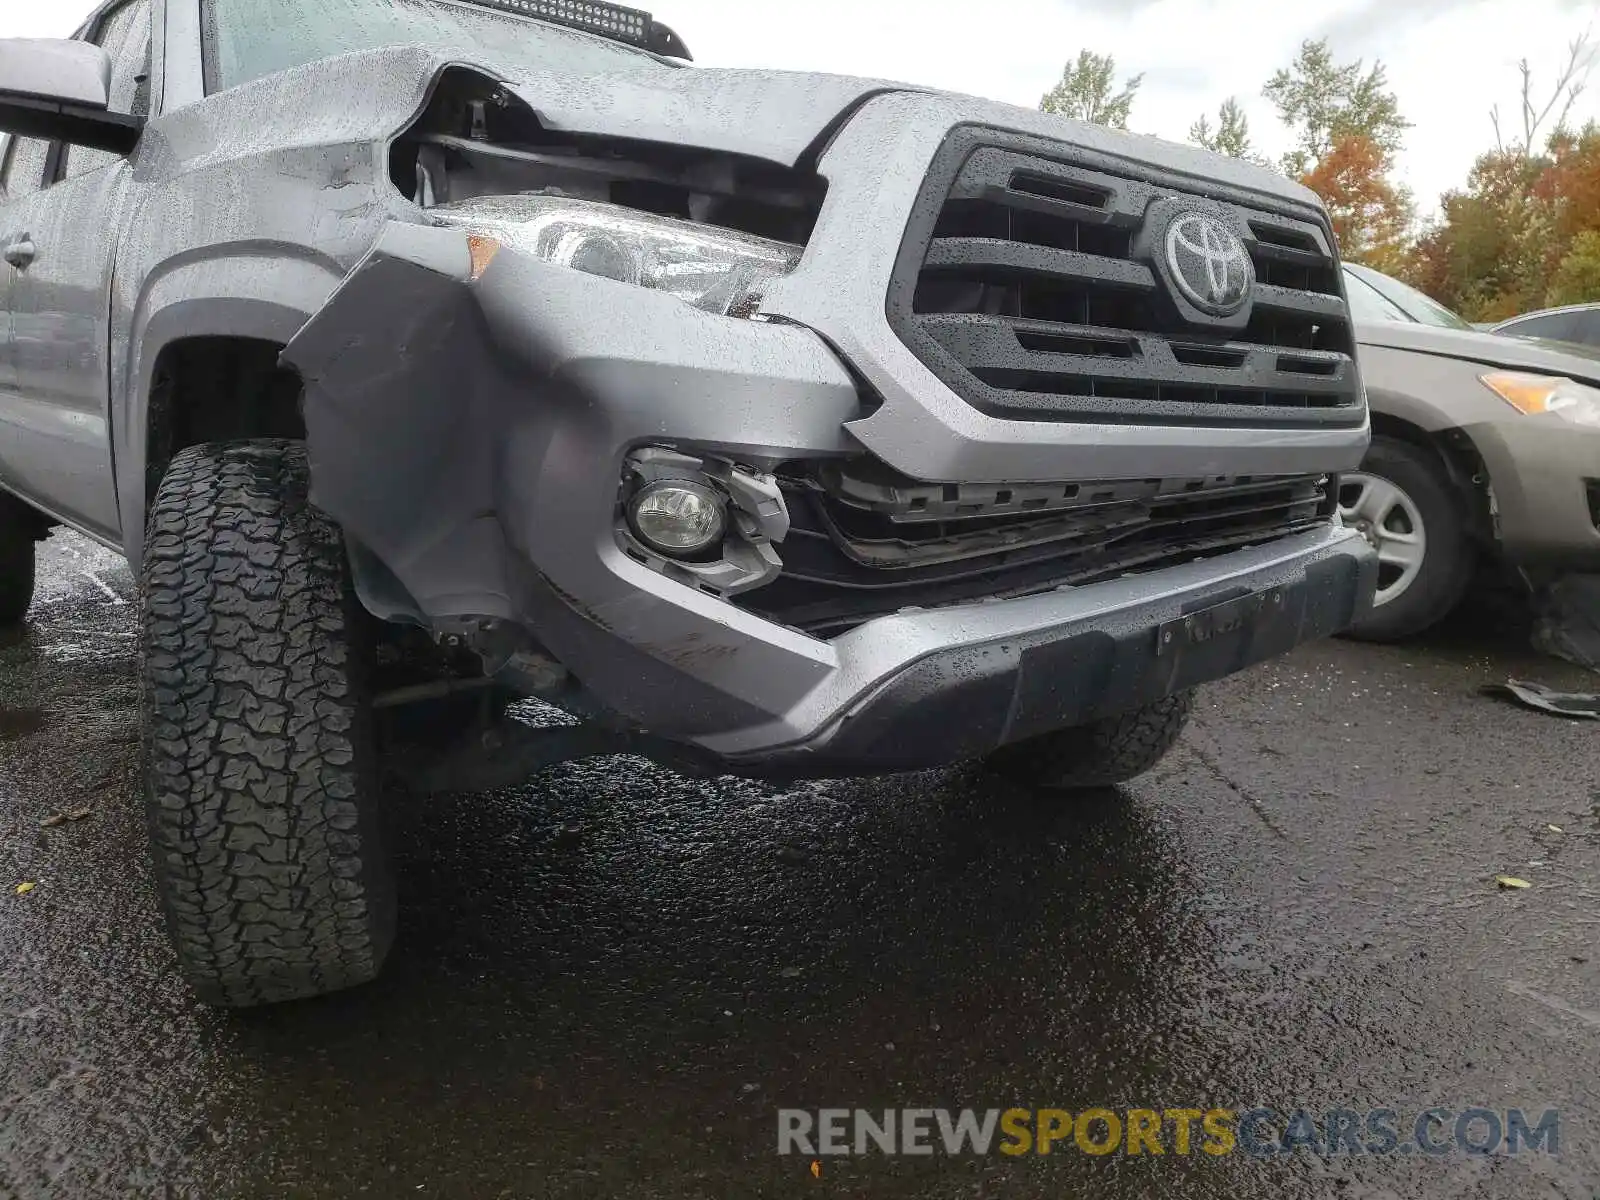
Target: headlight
1572 401
717 270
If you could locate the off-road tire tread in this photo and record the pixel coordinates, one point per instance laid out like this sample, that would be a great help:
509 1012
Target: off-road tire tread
1102 754
19 530
260 778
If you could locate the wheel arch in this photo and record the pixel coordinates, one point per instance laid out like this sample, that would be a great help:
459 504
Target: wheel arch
1458 459
195 317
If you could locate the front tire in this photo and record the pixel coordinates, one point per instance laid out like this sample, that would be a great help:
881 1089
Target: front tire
259 760
20 528
1106 753
1403 502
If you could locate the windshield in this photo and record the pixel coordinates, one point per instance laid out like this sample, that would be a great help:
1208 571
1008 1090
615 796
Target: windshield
1367 304
246 39
1412 304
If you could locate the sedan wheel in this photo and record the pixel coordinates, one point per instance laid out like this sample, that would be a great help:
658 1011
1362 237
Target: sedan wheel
1404 504
1391 521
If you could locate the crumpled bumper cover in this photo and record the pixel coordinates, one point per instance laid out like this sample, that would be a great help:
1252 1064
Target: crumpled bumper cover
1541 469
470 436
966 701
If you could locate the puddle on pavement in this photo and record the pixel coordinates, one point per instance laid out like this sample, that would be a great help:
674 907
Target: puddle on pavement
18 723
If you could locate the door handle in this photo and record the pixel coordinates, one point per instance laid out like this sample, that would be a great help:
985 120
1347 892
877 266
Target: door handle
20 252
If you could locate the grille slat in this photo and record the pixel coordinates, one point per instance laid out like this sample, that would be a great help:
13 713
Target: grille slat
1023 258
996 343
1029 283
1290 300
1022 181
866 542
1285 254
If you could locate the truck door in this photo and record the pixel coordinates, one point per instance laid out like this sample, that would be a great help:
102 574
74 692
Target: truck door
21 178
60 249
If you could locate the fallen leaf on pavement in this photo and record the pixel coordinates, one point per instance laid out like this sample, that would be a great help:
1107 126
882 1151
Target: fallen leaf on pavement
24 888
1511 881
56 820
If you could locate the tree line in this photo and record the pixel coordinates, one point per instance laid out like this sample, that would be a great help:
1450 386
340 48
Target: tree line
1522 233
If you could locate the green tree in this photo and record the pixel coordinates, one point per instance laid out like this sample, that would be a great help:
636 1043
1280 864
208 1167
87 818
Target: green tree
1577 278
1088 91
1325 102
1487 257
1230 137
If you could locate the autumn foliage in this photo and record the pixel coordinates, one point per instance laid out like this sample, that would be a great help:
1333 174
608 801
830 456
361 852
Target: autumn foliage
1523 234
1371 215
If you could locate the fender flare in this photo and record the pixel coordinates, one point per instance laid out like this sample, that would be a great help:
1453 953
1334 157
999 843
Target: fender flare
263 291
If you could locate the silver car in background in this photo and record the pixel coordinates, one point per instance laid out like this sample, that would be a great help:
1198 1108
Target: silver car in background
1482 445
1578 324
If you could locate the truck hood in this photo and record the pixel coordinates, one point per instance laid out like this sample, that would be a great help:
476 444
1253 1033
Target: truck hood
772 115
1490 349
778 116
781 115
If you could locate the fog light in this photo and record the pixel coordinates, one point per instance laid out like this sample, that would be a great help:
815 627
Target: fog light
678 518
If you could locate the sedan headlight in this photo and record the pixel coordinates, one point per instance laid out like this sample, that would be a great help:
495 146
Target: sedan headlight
1565 398
718 270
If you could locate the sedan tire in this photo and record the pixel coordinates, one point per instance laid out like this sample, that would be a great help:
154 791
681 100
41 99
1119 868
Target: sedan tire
1402 501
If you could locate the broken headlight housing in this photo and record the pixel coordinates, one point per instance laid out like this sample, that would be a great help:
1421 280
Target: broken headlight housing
717 270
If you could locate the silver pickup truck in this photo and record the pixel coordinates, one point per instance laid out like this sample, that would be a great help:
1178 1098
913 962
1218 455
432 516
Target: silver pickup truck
421 354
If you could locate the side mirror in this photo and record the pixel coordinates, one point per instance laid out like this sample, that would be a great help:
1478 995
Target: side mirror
60 90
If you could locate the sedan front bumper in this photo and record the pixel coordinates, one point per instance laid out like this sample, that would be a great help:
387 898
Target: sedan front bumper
1542 469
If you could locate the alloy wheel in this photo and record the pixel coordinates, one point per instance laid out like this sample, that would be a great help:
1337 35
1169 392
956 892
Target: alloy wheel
1391 521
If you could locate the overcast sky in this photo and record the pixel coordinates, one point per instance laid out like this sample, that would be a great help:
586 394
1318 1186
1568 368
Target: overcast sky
1449 60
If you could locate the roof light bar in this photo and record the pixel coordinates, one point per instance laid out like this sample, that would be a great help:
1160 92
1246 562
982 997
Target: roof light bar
608 20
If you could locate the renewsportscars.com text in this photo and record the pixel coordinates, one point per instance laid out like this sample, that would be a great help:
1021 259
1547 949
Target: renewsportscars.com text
1258 1132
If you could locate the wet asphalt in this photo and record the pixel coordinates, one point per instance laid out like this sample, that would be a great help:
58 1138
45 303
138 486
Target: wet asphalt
609 981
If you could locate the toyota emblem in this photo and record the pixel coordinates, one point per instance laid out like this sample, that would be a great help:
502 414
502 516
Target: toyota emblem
1209 264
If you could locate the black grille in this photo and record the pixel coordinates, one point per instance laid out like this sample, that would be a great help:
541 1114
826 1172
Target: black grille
866 542
1028 283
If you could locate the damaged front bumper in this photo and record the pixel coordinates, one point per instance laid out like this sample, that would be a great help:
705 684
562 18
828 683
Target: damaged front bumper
1545 472
472 437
